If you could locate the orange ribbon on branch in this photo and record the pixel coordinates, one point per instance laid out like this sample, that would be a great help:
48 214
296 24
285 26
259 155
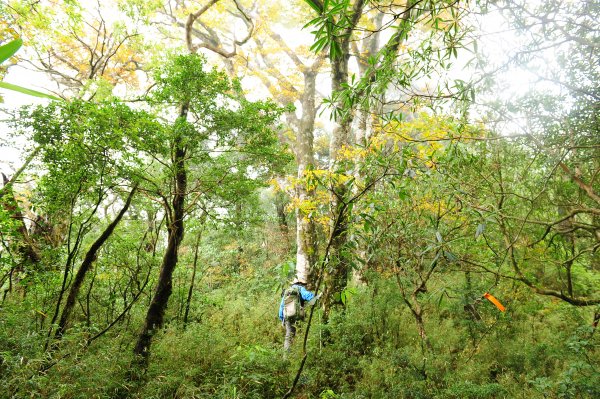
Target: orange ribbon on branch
493 300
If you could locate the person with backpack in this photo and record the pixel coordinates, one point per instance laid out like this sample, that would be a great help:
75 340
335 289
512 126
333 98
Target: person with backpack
291 309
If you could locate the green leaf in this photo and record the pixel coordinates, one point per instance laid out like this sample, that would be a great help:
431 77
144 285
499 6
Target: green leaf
345 295
319 44
314 6
441 298
7 50
317 21
30 92
368 226
336 51
402 194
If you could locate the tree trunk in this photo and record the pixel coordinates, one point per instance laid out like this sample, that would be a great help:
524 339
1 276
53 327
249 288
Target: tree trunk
164 286
306 240
195 265
152 234
367 120
87 263
336 276
26 247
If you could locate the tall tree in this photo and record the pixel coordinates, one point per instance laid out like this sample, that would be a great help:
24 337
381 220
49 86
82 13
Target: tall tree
212 118
392 67
85 150
276 55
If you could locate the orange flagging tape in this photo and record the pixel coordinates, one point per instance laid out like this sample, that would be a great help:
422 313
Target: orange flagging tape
493 300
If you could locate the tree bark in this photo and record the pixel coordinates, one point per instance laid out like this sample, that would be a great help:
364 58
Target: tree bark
86 265
280 202
336 276
164 287
26 247
306 239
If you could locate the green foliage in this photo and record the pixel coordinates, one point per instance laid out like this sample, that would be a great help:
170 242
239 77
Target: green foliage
442 212
233 344
231 134
29 92
9 49
441 29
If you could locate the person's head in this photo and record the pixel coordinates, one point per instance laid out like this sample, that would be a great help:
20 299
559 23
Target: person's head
298 281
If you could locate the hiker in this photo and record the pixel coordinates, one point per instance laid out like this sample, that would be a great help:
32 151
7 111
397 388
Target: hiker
292 306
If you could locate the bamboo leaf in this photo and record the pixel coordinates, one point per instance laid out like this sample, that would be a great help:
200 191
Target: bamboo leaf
314 6
335 49
319 45
7 50
30 92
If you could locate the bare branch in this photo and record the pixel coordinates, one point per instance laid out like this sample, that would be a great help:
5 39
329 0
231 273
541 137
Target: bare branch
213 44
190 22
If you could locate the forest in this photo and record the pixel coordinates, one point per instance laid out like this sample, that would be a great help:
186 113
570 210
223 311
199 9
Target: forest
429 169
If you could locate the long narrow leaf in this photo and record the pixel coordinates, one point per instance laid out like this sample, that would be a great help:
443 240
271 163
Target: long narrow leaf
30 92
314 6
315 21
319 44
335 50
7 50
